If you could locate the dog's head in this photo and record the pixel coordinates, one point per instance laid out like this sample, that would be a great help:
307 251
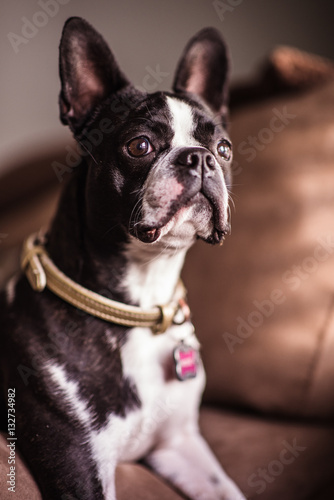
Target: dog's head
157 164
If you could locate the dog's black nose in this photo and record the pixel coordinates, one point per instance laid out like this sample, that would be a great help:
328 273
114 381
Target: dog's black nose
196 158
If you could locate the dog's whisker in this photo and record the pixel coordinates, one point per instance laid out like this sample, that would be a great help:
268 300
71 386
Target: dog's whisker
89 152
109 230
149 111
231 201
136 191
229 212
135 213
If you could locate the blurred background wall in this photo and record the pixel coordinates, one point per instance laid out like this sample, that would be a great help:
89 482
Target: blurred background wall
144 35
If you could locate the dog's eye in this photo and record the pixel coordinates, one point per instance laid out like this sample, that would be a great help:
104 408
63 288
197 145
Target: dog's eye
140 146
224 149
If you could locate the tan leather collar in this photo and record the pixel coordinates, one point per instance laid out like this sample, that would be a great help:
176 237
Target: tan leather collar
42 272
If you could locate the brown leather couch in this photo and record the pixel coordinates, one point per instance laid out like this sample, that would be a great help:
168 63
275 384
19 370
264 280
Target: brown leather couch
263 305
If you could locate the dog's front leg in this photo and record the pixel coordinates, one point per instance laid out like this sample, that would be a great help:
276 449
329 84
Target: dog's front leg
187 462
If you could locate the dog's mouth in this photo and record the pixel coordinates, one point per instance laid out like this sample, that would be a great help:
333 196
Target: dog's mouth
148 235
200 206
151 234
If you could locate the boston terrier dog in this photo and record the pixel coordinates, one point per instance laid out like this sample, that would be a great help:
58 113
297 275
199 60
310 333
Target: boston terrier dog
96 345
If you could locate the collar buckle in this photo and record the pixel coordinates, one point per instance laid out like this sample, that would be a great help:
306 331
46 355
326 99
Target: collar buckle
167 312
175 313
31 265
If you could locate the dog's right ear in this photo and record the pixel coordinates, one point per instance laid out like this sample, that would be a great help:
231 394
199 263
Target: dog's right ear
88 72
203 70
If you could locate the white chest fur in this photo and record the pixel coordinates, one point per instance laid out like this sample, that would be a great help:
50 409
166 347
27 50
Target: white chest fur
148 361
166 406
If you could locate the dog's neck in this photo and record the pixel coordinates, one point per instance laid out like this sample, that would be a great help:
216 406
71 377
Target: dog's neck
120 267
152 273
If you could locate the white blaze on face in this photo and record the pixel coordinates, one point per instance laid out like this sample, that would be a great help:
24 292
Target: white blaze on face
182 123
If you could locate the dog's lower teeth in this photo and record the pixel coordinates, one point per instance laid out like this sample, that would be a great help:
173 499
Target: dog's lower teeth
151 233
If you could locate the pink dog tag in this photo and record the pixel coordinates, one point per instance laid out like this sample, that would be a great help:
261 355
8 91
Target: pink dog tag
186 361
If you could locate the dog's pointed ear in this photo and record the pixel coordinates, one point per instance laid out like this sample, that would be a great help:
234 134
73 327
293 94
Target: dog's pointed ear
88 72
203 70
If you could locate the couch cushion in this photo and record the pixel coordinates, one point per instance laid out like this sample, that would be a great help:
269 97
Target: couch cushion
29 193
23 483
263 304
272 459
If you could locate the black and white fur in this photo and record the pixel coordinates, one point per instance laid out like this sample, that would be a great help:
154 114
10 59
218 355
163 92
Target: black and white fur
91 394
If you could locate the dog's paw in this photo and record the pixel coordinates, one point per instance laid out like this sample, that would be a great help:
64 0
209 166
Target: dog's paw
194 470
213 488
228 490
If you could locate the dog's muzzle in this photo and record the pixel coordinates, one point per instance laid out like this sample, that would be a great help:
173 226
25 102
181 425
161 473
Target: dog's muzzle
175 183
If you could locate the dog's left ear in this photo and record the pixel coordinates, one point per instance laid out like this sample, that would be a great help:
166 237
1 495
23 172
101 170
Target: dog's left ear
203 70
88 72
